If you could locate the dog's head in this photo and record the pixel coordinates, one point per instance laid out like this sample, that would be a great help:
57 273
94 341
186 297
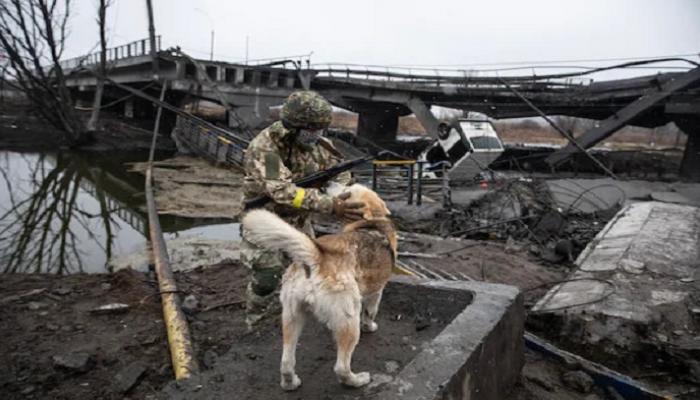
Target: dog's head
375 208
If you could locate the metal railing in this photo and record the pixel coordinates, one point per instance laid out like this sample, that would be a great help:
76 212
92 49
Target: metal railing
211 142
396 179
136 48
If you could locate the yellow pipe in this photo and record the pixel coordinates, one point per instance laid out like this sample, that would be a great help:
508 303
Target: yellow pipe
179 340
393 162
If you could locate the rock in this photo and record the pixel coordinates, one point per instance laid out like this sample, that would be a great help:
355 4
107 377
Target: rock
592 397
391 366
74 362
52 327
578 380
512 246
106 286
564 248
36 305
539 377
128 377
190 304
209 358
62 291
28 390
114 308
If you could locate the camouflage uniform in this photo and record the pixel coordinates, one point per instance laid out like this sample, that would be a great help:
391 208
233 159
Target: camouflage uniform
272 162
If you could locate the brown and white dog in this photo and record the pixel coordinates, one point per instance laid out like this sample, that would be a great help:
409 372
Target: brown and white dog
339 278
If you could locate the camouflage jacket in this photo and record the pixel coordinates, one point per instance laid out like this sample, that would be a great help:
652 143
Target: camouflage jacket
273 161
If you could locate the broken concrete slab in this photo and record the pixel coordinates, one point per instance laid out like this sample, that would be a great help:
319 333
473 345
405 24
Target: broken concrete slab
633 284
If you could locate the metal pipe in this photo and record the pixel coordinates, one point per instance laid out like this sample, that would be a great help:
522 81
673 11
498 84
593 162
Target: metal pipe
179 340
374 177
410 184
446 192
419 184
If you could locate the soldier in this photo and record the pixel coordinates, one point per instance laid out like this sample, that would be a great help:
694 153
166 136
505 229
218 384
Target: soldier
285 151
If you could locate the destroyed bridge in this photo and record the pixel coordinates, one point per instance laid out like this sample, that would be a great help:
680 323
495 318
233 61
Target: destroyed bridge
381 95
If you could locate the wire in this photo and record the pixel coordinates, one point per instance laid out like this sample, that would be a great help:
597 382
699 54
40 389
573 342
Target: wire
548 61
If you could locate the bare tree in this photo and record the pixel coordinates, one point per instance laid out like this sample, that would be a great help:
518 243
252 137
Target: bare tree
102 67
32 34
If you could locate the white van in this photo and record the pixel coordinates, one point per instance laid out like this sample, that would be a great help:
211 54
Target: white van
466 148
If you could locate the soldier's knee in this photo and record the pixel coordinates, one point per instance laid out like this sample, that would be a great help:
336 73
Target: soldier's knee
267 270
265 280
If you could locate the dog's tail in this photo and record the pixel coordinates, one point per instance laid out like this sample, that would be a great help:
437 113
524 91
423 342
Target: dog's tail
267 230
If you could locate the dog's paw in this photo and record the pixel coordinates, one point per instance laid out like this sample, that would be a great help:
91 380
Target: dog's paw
357 380
290 383
370 327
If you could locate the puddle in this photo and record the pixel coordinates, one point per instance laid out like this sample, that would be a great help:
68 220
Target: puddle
69 212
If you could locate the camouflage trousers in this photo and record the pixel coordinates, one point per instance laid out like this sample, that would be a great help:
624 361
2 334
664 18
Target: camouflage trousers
266 270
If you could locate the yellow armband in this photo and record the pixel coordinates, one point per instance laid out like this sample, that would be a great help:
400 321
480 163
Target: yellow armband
298 198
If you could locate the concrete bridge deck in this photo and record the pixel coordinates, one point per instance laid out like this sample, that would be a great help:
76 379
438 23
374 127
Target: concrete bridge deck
380 96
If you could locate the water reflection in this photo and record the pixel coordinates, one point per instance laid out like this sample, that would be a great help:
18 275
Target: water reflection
70 212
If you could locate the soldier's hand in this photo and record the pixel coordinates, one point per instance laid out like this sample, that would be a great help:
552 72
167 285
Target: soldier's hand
349 210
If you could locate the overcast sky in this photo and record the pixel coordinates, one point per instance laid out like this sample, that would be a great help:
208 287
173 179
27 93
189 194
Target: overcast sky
407 32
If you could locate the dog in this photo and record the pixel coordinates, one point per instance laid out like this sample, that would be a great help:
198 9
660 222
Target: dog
339 278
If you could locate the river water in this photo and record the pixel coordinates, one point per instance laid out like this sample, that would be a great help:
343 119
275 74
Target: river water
68 212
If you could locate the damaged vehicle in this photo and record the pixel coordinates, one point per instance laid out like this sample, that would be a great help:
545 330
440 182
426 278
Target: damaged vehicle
464 149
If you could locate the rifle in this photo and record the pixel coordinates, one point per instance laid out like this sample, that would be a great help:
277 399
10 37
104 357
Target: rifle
315 179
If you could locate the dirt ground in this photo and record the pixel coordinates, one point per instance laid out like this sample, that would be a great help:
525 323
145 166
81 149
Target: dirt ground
58 322
57 347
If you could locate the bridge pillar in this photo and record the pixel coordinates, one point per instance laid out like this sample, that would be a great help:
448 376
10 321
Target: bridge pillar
424 116
690 166
378 126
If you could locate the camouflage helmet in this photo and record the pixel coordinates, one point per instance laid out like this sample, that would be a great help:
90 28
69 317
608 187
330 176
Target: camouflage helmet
306 110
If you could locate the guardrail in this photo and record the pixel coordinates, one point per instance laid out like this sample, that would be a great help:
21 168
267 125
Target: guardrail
136 48
431 76
398 179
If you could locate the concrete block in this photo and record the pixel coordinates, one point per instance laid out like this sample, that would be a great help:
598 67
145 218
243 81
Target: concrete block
478 356
638 275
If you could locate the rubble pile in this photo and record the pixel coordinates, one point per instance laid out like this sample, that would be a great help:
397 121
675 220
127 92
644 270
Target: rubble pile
523 214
